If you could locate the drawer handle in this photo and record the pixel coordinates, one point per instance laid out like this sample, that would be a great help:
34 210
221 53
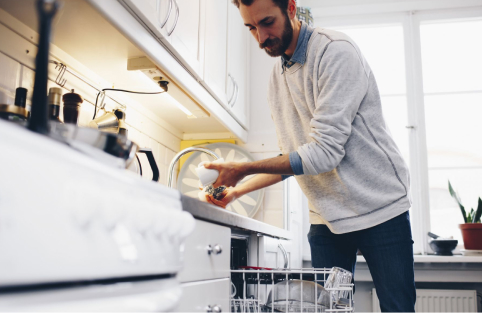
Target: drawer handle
217 249
213 309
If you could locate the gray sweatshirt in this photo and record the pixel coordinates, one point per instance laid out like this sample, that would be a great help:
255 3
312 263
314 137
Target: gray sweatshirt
329 111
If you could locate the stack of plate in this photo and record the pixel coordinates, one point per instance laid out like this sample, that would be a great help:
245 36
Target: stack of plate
467 252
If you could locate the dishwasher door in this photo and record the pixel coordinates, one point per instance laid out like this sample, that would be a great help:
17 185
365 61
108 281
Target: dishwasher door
161 295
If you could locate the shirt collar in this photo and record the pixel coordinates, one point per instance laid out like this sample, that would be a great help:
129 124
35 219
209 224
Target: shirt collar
299 56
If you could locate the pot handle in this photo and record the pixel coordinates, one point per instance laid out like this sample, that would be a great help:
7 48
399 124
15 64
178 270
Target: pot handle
152 163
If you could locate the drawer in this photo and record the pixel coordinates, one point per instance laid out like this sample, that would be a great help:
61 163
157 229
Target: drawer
202 260
199 296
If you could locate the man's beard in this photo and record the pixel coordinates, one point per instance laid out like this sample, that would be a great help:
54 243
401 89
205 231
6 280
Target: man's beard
279 46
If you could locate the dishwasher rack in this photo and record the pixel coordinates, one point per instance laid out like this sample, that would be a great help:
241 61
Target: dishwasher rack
251 288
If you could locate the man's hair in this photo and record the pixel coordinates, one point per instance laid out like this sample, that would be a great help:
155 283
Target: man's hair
282 4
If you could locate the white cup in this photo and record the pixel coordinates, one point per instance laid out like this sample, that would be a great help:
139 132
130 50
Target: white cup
207 176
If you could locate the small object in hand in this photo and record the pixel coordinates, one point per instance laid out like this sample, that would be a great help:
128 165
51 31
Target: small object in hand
217 193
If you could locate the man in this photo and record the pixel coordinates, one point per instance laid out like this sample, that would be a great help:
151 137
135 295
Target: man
327 112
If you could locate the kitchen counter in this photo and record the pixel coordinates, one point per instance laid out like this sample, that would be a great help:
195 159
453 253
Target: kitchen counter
214 214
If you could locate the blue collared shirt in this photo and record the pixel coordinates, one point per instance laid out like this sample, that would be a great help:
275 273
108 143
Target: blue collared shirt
299 56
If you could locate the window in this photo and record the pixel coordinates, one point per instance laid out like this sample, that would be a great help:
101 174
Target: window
383 48
452 83
442 53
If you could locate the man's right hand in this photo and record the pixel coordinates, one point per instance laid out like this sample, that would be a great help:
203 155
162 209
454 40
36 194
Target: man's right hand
228 196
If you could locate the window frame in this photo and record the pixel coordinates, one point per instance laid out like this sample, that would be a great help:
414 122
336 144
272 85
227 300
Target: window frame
410 22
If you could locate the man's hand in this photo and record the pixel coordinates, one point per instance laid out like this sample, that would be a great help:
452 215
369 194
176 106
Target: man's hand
230 173
228 196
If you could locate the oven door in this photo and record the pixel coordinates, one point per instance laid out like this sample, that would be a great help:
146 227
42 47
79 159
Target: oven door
161 295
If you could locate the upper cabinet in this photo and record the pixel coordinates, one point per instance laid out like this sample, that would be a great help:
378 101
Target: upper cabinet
209 39
177 23
184 31
237 80
215 56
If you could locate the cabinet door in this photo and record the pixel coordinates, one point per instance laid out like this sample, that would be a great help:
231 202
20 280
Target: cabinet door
215 48
206 253
186 34
153 13
205 296
274 253
236 85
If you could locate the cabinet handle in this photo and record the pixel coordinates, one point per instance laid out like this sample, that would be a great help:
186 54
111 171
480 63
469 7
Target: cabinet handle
163 23
285 255
213 309
234 89
175 19
217 249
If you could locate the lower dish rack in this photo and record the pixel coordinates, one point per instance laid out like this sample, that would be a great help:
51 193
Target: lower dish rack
291 290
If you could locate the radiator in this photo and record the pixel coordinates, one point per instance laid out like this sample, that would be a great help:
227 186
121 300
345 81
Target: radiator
433 300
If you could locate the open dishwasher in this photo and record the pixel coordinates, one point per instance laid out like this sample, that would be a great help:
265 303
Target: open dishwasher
257 289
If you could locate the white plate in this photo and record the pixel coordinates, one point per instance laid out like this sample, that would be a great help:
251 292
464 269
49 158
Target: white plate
471 252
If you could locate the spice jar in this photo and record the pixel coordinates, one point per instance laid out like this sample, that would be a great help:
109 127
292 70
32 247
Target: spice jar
72 103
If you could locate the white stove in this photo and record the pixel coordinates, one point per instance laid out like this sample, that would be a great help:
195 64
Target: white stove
78 235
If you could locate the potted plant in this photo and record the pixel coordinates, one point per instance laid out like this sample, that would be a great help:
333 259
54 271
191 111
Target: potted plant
472 228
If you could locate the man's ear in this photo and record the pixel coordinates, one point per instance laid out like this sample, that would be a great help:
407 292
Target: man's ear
292 9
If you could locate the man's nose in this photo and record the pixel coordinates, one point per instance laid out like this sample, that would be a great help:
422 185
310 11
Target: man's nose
262 36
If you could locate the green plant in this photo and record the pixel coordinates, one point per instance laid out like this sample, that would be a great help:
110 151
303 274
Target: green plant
473 216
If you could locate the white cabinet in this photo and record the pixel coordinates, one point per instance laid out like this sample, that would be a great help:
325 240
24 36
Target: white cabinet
215 56
274 253
153 13
206 253
205 296
205 277
178 24
237 55
186 32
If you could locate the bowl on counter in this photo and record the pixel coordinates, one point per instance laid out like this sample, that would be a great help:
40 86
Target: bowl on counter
443 246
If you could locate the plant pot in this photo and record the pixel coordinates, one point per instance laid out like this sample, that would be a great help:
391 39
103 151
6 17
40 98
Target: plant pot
472 234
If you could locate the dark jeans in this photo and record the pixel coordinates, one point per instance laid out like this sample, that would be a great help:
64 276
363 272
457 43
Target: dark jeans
388 251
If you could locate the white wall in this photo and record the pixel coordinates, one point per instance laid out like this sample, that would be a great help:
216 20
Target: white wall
142 128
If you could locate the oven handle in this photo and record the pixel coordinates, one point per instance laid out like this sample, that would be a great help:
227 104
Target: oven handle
119 297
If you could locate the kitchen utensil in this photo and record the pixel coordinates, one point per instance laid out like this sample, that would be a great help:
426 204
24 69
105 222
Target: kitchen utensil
39 113
286 296
114 150
442 246
55 97
21 97
72 103
337 278
152 163
111 122
15 112
207 176
188 181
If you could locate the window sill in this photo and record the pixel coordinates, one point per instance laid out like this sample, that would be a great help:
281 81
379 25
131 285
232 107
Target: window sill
438 259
